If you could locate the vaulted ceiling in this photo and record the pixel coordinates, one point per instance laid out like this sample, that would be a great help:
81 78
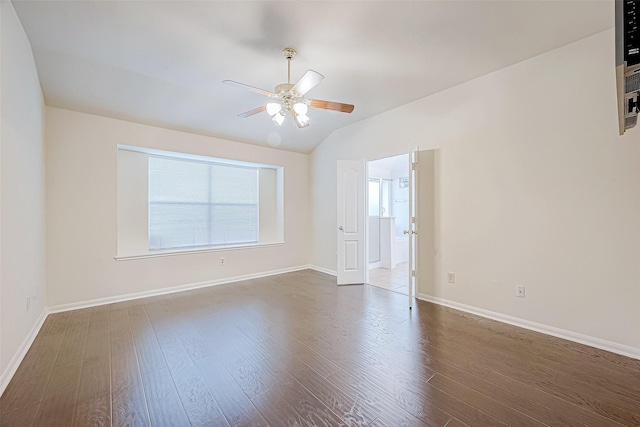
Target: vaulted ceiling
162 62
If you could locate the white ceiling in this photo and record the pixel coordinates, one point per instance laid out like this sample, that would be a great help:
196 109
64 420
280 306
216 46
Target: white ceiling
161 62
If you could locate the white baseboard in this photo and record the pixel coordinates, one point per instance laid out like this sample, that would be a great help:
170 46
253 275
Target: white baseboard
11 369
17 358
323 270
538 327
169 290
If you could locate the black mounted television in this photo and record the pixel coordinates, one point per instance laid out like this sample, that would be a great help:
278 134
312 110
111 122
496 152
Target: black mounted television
628 62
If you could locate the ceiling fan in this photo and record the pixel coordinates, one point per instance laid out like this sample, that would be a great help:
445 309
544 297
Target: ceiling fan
288 97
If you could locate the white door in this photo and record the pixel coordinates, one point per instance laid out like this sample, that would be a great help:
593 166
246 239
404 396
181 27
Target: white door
412 231
352 180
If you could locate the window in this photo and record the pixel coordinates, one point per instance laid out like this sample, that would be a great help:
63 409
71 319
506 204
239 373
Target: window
172 202
193 203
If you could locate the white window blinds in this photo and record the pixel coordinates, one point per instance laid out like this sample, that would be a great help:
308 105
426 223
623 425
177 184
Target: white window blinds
193 203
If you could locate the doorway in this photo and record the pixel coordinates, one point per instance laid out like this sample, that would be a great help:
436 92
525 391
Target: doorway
388 218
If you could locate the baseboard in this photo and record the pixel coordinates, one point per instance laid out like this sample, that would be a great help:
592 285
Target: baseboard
163 291
538 327
322 270
22 351
373 265
17 358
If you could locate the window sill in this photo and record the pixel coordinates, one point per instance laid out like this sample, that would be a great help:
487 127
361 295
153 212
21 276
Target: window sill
187 251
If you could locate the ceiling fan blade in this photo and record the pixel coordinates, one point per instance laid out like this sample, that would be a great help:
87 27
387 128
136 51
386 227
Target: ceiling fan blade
251 88
307 82
329 105
252 112
295 119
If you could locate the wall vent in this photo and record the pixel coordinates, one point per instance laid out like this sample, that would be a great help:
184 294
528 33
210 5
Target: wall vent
632 82
630 121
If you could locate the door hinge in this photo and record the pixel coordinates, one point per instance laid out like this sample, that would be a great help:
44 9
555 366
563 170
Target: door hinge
413 165
413 219
413 273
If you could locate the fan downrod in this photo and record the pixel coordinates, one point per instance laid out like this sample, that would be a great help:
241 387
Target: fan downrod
288 53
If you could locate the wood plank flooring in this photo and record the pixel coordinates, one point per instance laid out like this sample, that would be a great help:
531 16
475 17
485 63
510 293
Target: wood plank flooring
296 350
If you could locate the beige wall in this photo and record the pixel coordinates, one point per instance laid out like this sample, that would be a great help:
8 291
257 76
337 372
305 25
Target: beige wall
426 213
22 193
534 186
82 211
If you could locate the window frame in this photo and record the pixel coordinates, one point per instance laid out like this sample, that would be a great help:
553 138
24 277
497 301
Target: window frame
274 175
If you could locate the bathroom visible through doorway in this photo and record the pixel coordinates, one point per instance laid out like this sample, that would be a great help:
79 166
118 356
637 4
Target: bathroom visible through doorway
388 207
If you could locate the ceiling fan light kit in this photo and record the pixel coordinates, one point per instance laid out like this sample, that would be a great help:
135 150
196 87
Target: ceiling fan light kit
278 118
273 108
290 97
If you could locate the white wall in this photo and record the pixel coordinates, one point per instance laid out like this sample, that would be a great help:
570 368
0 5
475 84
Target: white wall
132 203
22 193
535 188
82 211
268 215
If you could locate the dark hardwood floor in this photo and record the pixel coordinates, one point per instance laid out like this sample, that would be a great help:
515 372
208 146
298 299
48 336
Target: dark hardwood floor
296 350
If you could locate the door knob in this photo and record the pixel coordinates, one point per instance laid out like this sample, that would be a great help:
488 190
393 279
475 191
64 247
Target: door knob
405 232
340 228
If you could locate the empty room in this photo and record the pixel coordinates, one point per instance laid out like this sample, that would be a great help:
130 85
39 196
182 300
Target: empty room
319 213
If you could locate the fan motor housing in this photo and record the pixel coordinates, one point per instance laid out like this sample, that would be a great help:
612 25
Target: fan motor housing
284 87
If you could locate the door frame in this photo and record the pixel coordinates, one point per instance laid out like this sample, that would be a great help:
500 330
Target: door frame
411 281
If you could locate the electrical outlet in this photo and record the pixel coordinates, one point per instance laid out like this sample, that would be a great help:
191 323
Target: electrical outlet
222 261
451 277
520 291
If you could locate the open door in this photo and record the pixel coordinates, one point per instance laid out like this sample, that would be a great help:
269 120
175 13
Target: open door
412 230
422 217
351 237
